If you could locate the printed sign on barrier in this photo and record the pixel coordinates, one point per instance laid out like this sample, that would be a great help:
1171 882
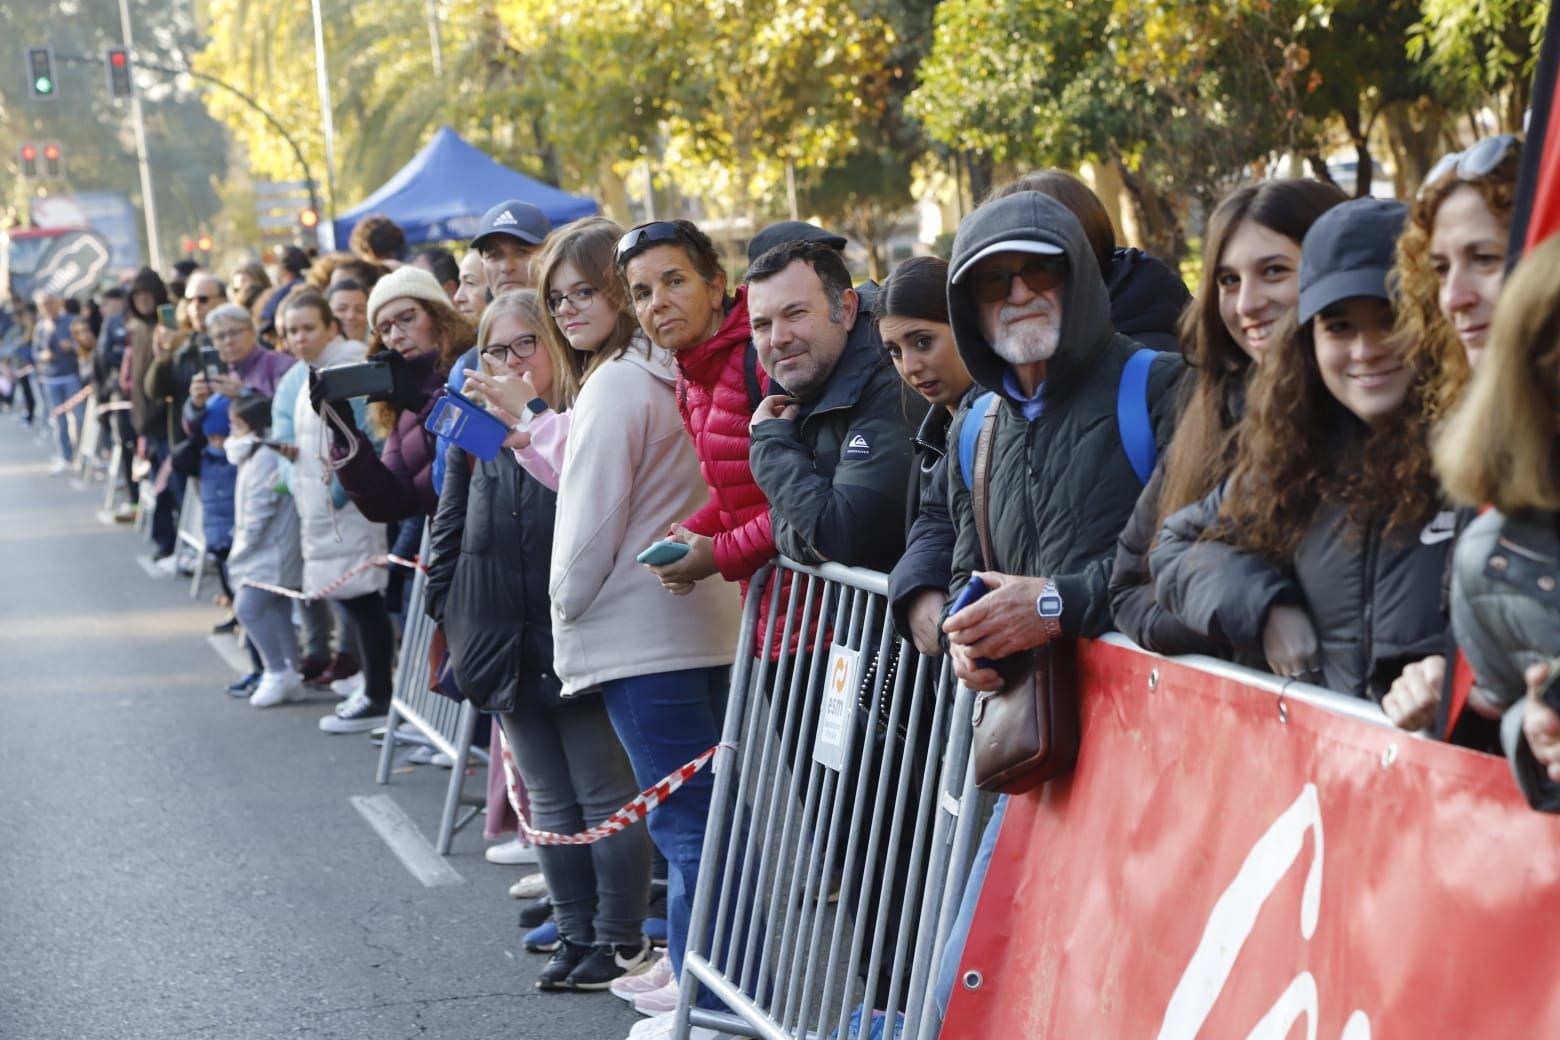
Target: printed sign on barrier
1225 864
837 716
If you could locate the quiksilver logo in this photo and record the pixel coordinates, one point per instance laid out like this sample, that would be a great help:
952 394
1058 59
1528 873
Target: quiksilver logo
857 446
859 442
504 219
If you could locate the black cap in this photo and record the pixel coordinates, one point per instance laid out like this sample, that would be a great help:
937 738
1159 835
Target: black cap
791 231
1348 252
518 220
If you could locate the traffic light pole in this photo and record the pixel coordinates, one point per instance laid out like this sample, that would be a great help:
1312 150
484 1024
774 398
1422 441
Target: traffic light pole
148 197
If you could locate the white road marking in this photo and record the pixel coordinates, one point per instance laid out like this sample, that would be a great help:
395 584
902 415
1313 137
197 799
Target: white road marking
231 653
405 840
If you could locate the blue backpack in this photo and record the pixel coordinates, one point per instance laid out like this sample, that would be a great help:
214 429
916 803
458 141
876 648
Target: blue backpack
1132 419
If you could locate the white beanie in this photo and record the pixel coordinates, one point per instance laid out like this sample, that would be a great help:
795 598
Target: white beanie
406 281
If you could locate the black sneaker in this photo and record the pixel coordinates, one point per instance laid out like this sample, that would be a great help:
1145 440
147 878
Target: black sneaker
245 685
535 912
225 628
561 965
608 962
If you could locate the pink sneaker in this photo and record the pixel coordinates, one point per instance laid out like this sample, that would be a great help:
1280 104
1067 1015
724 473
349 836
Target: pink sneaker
631 986
658 1001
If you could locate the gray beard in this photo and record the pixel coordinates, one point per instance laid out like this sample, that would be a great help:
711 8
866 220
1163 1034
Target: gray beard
1028 346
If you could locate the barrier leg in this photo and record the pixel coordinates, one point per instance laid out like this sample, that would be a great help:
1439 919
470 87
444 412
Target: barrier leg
447 824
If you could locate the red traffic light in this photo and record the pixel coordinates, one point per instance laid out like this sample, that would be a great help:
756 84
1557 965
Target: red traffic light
29 153
51 152
187 244
118 57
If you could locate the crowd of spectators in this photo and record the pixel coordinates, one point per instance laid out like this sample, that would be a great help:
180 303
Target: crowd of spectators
1283 469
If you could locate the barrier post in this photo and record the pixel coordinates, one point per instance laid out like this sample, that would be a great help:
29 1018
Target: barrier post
843 767
191 530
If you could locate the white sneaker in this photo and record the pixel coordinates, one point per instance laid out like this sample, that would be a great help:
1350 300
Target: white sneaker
531 886
658 1001
511 853
58 467
351 686
659 975
359 715
168 565
277 688
661 1026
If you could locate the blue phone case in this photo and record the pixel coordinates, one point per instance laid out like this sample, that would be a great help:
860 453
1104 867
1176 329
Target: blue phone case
663 552
466 423
974 589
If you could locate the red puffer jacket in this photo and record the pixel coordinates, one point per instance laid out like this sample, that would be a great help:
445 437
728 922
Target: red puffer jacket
712 395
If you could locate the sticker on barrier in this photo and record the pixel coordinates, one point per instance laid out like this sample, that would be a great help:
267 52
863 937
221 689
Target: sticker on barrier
624 818
366 565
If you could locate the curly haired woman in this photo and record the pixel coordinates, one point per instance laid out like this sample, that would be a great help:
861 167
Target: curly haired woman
1323 552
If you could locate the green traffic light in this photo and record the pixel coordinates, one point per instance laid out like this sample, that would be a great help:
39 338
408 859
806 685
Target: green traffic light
43 85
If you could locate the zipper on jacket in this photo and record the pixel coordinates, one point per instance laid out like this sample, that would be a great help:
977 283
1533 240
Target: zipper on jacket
1368 596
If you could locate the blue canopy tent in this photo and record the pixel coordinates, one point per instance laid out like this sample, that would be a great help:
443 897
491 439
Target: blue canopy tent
442 193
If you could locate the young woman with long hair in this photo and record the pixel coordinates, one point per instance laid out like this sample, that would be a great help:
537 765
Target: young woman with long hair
1501 446
1322 551
1250 280
492 540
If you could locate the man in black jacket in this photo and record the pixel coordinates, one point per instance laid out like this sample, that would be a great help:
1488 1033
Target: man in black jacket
1031 318
833 451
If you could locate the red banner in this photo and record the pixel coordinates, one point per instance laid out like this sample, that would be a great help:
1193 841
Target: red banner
1226 863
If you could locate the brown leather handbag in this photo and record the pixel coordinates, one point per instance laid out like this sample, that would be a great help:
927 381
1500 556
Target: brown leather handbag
1027 732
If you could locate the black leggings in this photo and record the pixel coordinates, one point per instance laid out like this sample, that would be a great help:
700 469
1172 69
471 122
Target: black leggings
376 641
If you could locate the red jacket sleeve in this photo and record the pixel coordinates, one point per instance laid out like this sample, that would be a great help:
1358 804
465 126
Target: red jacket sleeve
741 551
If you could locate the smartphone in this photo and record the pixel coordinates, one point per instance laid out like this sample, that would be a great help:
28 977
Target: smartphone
168 315
974 589
663 552
461 420
211 363
362 379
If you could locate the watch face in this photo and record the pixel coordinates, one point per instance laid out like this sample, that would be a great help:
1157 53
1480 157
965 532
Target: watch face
1050 605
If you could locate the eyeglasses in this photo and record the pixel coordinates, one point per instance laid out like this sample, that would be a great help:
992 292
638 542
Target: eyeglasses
1480 160
403 321
1040 274
228 332
579 299
655 231
522 347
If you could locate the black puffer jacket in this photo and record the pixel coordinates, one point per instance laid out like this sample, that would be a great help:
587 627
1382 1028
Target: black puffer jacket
487 580
1146 299
927 562
1062 488
1373 595
836 476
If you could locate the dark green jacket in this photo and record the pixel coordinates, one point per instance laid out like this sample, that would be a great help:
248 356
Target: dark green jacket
837 476
1061 486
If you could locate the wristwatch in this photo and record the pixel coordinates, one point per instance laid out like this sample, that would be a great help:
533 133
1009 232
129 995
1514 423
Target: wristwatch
536 405
1049 606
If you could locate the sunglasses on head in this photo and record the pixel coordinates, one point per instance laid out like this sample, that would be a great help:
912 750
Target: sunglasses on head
655 231
1480 160
1040 273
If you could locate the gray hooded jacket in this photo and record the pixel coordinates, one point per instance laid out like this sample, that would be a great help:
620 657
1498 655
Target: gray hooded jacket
1061 486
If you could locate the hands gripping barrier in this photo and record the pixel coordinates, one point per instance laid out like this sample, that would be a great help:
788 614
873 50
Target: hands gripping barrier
846 767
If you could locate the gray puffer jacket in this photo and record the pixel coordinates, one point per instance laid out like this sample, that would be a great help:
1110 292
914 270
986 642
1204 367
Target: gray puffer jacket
1061 485
1506 617
1373 595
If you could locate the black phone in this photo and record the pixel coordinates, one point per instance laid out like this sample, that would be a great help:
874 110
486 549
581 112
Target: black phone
211 363
364 379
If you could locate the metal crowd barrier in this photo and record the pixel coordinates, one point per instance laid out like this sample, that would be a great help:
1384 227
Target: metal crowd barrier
845 760
436 720
86 439
192 530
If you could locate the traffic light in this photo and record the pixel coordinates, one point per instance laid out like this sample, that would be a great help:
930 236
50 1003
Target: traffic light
203 243
119 82
40 71
53 161
29 156
187 244
309 218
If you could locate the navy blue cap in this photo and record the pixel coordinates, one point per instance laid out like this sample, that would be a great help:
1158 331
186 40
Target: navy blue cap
514 218
791 231
1348 252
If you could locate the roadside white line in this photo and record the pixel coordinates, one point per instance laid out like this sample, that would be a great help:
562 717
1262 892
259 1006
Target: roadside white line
405 840
231 653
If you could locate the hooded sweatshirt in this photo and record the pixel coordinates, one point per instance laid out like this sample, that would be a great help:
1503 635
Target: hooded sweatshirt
1061 485
629 472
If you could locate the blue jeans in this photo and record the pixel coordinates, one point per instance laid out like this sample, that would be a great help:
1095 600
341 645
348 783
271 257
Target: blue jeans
948 970
56 391
665 720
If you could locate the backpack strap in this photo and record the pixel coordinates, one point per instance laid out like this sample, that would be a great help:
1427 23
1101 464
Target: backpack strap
750 374
979 408
1132 418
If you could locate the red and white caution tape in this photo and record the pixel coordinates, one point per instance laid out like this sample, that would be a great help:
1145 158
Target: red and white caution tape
366 565
621 820
72 402
115 406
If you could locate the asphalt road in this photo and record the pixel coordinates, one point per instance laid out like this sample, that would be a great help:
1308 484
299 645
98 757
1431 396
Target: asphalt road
176 864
